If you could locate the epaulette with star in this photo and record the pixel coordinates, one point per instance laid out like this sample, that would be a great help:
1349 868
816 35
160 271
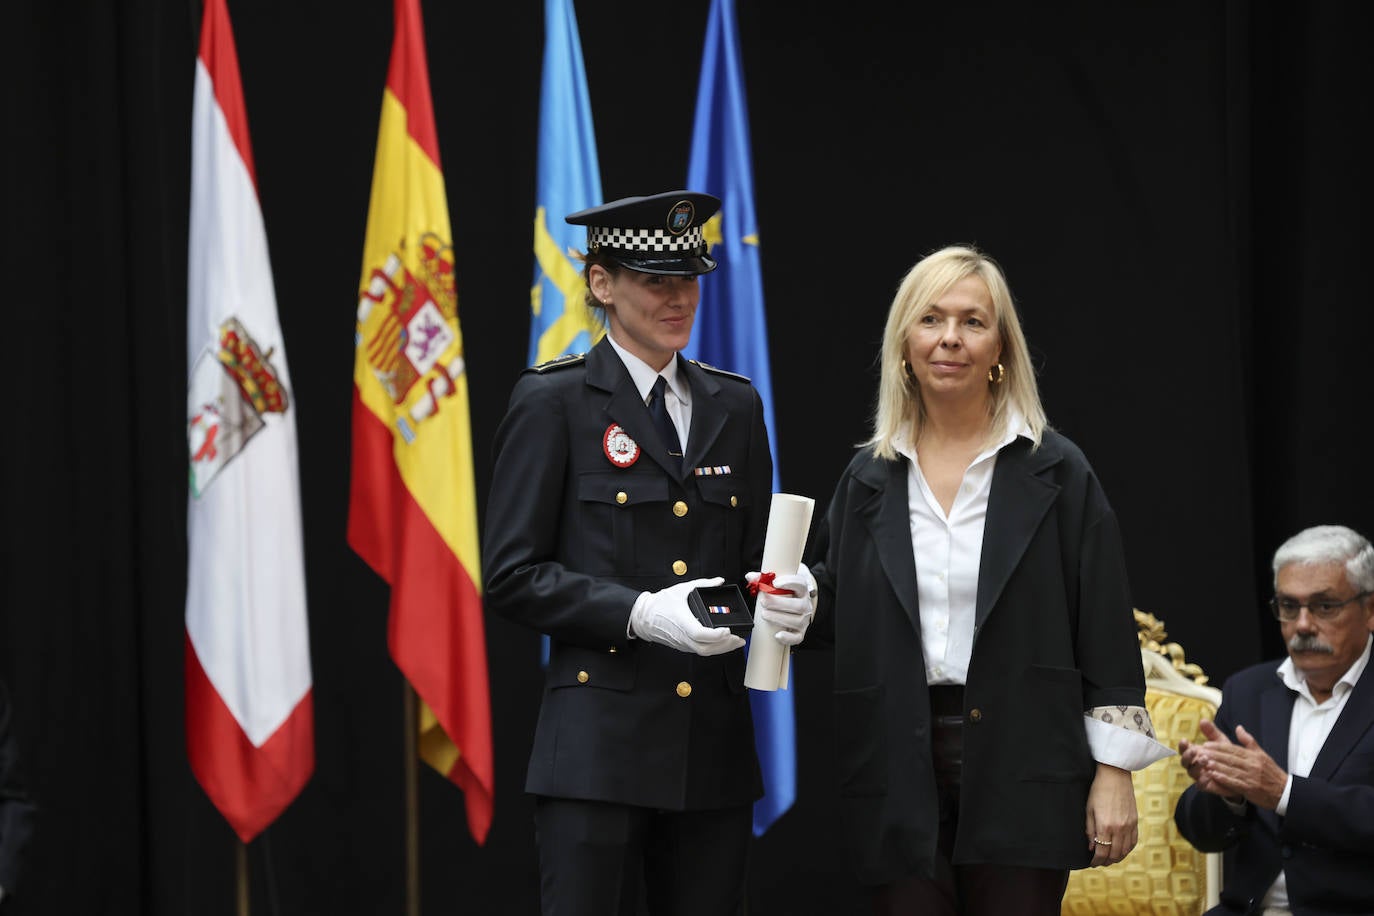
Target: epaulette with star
725 372
558 362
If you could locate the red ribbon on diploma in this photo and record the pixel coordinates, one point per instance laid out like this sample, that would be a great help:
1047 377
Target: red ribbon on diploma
764 583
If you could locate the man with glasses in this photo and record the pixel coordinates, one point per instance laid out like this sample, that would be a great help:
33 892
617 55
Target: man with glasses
1285 780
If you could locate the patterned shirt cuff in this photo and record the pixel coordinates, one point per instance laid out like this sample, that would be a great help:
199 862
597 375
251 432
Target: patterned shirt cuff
1131 718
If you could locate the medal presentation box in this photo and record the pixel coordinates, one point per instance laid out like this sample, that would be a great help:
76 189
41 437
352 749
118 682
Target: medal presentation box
721 606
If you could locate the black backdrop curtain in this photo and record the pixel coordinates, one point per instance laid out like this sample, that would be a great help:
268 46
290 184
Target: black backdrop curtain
1176 190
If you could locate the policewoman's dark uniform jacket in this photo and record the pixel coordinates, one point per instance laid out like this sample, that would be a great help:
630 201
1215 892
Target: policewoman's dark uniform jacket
1325 843
1054 635
571 540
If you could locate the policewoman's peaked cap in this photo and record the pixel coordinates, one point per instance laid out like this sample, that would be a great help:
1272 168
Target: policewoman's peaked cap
658 234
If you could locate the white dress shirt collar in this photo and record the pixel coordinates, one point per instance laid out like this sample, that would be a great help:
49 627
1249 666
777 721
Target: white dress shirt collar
643 375
1016 426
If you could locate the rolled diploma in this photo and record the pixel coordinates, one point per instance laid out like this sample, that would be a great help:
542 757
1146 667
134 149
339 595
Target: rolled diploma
789 521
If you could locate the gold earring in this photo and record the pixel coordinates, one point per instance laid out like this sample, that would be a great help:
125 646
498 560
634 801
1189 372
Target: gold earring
906 370
1001 374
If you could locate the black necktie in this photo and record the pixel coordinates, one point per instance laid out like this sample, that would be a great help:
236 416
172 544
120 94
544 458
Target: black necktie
659 411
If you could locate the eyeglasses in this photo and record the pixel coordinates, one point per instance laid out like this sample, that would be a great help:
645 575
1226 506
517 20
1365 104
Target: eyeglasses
1288 609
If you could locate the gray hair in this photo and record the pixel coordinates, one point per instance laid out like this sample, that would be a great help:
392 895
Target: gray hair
1330 544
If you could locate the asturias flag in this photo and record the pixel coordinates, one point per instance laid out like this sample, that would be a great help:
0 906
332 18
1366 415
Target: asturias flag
569 180
249 713
412 512
731 329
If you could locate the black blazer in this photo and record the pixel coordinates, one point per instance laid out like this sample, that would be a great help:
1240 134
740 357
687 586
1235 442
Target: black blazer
1054 635
571 540
1325 844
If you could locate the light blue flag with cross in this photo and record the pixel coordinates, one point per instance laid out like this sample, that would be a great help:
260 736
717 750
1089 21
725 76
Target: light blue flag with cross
569 179
731 330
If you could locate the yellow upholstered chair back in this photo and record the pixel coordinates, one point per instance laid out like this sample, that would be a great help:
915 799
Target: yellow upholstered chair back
1164 875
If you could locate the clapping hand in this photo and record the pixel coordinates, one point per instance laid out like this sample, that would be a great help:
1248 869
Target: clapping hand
1237 771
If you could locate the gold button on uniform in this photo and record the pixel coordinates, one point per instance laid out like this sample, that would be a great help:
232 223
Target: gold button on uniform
679 568
621 497
684 689
734 501
679 508
975 715
583 677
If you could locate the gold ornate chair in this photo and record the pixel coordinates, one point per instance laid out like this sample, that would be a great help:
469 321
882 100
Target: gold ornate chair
1164 875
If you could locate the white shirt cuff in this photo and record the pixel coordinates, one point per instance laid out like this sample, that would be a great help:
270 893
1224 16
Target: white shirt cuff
1121 747
1281 809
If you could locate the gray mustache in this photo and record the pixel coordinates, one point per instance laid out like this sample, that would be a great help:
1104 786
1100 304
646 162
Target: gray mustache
1308 642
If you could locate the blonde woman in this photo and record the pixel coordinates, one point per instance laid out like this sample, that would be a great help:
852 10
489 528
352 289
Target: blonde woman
988 685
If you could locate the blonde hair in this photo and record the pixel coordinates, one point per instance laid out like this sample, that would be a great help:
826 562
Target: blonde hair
899 399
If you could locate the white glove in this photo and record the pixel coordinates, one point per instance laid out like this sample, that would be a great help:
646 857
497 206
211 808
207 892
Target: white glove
790 613
664 617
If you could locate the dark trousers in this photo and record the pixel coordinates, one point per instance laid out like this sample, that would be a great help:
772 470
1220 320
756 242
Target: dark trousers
965 890
603 859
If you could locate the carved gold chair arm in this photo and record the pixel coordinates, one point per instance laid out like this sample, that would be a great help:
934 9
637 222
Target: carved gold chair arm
1164 873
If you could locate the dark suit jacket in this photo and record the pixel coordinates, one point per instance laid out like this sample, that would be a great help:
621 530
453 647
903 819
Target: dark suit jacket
1325 844
571 540
16 807
1054 635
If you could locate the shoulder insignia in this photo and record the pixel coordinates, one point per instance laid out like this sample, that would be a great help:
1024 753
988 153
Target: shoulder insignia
559 362
710 368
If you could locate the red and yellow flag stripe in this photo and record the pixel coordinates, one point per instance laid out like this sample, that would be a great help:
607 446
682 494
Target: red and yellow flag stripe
412 509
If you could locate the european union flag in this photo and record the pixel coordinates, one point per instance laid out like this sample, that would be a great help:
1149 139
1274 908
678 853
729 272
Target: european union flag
731 329
569 180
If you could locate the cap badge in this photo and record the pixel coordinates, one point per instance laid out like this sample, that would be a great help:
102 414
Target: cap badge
680 217
619 447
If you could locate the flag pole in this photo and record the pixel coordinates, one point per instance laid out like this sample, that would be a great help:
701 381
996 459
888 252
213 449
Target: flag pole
241 866
410 742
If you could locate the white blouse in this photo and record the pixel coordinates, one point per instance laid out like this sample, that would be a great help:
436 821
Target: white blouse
949 550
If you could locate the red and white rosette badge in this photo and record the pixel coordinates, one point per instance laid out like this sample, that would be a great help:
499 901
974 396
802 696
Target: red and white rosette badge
619 447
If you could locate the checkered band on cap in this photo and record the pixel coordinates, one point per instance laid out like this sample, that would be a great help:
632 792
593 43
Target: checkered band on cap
644 239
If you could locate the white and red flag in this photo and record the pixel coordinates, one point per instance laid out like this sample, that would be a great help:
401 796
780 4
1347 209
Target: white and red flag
249 713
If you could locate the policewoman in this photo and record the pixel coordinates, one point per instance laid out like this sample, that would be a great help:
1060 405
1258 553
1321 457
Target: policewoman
624 478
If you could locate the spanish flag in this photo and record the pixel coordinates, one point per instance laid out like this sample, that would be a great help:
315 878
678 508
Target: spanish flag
412 512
